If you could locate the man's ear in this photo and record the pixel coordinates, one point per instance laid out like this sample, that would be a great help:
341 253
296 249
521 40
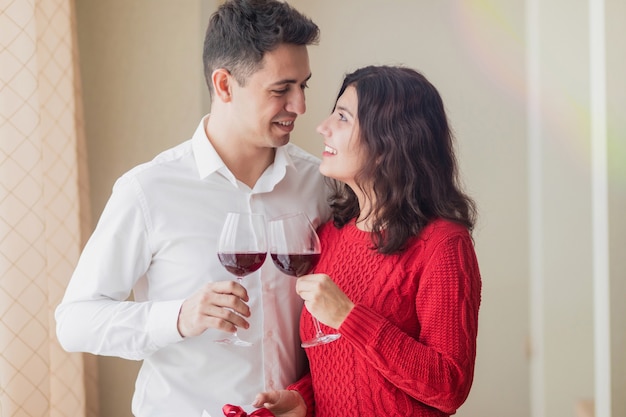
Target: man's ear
222 80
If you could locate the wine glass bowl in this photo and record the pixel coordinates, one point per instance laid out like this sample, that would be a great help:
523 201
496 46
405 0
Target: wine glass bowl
241 264
295 249
242 249
295 264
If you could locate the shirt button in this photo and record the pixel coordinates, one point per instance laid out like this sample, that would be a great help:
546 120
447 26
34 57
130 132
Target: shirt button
271 383
270 333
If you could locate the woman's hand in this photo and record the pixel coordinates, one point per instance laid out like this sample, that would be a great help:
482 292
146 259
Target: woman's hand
324 300
283 403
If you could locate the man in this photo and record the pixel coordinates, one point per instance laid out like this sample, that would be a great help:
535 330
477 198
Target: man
158 233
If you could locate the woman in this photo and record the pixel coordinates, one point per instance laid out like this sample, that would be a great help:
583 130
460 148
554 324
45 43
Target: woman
398 276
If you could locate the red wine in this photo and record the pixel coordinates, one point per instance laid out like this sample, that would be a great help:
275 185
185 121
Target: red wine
242 264
295 264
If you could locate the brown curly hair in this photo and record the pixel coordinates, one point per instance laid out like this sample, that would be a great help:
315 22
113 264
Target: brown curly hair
410 160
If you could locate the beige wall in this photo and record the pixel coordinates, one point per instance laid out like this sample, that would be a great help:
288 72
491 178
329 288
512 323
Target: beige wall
616 149
516 79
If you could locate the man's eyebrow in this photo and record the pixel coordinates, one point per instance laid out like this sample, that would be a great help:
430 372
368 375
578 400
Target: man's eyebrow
291 81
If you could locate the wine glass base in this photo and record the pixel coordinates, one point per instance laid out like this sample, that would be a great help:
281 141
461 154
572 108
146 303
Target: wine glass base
233 341
321 340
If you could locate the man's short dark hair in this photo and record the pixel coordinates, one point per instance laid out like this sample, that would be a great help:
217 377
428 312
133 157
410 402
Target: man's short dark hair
240 32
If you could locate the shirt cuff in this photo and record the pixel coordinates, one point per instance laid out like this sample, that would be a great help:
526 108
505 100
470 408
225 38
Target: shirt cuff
163 322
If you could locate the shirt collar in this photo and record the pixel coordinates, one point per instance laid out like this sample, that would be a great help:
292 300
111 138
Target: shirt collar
275 172
208 161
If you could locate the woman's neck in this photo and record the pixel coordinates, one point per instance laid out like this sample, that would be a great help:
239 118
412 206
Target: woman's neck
364 225
365 220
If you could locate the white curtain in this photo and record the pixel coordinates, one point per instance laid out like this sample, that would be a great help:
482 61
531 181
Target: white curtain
43 209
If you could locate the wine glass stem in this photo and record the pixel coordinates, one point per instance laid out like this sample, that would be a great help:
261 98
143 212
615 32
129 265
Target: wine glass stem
317 327
240 281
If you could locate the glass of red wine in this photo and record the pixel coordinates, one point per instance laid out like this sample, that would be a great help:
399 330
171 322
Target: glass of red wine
242 249
295 249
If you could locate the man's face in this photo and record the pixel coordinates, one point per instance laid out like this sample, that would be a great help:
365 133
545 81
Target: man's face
265 109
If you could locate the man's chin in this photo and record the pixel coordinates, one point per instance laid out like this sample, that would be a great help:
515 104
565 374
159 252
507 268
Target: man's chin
282 141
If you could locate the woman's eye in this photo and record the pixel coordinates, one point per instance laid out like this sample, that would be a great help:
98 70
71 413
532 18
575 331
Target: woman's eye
342 117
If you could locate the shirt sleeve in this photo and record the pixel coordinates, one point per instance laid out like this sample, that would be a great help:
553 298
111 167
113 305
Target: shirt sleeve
436 366
95 314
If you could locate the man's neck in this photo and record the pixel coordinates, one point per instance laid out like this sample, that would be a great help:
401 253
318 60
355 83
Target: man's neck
247 162
248 167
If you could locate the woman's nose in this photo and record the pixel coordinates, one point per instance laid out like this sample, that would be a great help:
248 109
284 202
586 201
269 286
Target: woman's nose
322 128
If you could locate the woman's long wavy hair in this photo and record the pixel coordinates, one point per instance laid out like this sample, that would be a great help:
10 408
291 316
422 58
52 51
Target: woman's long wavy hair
410 165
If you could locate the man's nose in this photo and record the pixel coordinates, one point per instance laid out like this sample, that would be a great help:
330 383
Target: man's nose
297 102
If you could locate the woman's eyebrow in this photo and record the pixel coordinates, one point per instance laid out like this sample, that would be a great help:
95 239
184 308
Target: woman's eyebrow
344 109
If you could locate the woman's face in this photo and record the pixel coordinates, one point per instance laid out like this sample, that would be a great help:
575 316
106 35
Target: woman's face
343 154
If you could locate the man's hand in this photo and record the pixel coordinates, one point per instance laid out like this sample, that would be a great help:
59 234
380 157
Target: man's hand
210 307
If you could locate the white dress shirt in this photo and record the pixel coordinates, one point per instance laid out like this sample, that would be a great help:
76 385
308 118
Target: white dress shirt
157 237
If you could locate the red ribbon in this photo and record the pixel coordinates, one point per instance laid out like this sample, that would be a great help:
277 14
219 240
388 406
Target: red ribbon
236 411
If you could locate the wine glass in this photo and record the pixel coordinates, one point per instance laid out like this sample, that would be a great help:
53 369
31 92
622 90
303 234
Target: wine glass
295 250
242 249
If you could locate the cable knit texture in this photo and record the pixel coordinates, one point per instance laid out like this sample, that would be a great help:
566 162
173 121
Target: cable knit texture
408 347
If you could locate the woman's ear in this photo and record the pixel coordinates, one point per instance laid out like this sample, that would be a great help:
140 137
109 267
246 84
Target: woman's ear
221 80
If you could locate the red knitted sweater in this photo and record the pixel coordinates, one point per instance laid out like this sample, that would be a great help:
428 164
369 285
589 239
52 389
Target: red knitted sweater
409 345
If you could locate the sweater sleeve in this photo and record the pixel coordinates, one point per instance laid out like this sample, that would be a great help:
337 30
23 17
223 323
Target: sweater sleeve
304 387
436 365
